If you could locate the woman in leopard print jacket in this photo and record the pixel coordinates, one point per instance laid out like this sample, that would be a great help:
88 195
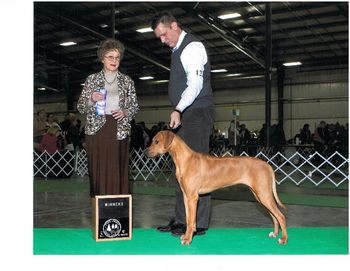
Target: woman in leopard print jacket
107 134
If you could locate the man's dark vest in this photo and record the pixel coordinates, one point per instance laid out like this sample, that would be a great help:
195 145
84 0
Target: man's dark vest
178 80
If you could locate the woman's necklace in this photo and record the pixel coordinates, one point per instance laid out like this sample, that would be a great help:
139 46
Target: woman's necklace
109 83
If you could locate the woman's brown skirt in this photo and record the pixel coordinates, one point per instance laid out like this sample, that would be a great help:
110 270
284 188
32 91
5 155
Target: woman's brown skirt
108 161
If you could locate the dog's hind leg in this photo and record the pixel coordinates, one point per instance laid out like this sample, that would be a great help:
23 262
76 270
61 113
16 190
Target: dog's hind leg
271 206
274 233
275 222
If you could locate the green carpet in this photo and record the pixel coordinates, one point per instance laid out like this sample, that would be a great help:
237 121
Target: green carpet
67 185
63 185
76 185
217 241
314 200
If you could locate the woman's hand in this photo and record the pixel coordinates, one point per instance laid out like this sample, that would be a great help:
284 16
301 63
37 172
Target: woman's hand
119 114
96 96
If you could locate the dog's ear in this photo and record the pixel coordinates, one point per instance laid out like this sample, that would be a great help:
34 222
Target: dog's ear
168 138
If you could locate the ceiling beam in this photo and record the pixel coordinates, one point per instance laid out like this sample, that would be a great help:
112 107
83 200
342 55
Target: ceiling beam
92 31
227 35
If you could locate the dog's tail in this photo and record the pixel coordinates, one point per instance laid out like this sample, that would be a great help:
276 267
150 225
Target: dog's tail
275 194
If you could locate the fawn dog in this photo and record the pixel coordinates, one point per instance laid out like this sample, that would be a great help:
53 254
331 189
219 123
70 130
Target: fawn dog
199 173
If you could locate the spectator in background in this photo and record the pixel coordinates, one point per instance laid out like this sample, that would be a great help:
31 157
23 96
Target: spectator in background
244 139
262 135
244 135
154 131
73 135
50 140
332 138
277 138
321 138
340 143
162 126
345 140
39 125
233 134
136 136
145 128
156 128
51 121
67 122
305 135
82 137
337 139
145 134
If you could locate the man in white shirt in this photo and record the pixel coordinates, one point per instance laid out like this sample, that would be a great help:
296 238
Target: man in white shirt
190 94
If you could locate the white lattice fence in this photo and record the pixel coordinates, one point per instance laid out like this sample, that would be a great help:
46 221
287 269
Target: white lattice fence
144 168
297 167
55 165
313 168
81 166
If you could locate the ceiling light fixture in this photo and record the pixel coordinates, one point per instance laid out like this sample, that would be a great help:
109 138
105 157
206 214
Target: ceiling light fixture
239 22
144 30
146 78
68 43
162 81
291 64
219 70
247 30
229 16
253 77
233 74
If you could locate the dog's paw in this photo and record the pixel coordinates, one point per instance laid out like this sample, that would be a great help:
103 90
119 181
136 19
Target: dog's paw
185 240
282 241
272 235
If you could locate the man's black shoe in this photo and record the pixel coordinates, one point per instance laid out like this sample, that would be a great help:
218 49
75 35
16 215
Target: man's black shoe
170 227
182 230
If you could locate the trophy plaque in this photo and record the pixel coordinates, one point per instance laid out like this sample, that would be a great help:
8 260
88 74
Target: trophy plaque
112 217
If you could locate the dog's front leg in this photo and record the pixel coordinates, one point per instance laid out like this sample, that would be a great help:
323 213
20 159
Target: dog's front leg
191 202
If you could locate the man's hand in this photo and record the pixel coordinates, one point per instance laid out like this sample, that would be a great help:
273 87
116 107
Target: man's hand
175 120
